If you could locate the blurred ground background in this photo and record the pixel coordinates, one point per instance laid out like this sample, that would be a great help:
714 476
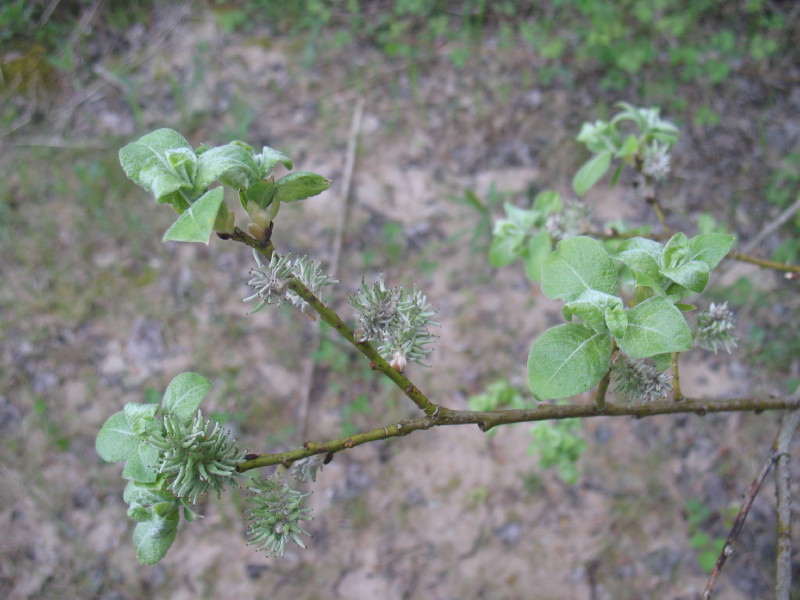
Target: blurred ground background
459 97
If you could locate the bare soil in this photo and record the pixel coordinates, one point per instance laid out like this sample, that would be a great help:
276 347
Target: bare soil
95 311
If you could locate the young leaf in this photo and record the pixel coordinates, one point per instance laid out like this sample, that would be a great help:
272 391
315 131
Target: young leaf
150 151
300 185
260 193
197 223
523 218
617 320
269 158
142 463
692 275
710 248
591 172
116 440
591 307
676 251
547 202
629 147
152 539
507 244
233 165
567 360
141 417
146 494
655 326
539 248
641 256
578 264
184 394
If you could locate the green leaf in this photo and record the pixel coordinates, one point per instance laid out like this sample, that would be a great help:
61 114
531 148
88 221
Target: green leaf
152 539
547 202
617 320
260 193
675 252
591 307
655 326
578 264
685 307
629 147
567 360
270 157
692 275
116 440
539 247
641 256
662 361
145 158
233 165
184 395
141 417
707 559
507 244
699 540
146 494
197 223
300 185
523 218
710 248
142 464
591 172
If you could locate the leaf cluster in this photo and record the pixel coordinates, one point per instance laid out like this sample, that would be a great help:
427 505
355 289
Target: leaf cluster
608 140
164 164
571 358
146 438
516 236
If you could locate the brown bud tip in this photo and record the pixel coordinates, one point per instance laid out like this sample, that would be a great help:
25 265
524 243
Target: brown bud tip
399 363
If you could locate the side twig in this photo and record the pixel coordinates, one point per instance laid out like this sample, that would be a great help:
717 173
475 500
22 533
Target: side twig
775 452
341 225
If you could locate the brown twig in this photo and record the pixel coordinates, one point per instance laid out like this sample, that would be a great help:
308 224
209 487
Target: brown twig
486 420
349 166
764 263
775 452
783 553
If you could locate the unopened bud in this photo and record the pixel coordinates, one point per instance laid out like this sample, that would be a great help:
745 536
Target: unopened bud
399 363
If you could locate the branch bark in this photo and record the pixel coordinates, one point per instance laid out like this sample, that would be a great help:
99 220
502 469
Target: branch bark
485 420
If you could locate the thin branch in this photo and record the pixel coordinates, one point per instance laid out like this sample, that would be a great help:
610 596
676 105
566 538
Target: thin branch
677 394
783 554
544 412
772 227
349 166
764 263
781 441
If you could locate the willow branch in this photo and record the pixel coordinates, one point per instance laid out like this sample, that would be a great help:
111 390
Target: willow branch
486 420
764 263
332 318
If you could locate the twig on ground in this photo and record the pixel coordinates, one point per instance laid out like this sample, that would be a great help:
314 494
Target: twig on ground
783 554
349 165
771 228
785 433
